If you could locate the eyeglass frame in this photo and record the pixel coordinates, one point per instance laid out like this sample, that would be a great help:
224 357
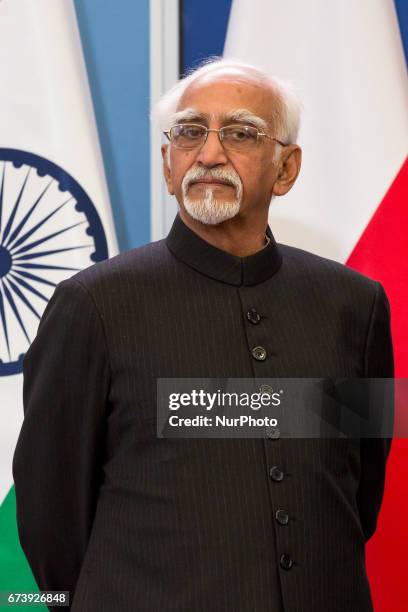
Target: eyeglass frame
167 133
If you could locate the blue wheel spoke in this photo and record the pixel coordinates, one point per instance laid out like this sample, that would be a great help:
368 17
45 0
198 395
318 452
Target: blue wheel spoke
46 238
15 208
33 277
29 287
53 252
24 220
12 303
4 321
15 241
22 297
43 267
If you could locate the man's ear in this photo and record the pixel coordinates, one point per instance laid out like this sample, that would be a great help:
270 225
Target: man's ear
166 168
289 167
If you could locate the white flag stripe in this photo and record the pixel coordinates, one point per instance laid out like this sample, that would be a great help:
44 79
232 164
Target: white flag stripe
48 94
54 204
346 60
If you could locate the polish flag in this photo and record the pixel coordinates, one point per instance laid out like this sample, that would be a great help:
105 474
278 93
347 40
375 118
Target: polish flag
347 63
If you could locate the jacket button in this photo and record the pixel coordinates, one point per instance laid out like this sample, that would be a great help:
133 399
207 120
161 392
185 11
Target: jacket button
253 316
259 353
273 433
267 389
276 474
285 562
282 517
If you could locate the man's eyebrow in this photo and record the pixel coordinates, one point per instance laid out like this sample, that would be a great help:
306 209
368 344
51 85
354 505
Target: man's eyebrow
238 115
243 115
188 114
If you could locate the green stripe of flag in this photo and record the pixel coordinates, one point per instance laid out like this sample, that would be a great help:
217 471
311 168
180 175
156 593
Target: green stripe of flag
15 573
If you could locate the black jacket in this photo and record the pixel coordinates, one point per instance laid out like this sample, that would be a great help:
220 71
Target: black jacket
131 522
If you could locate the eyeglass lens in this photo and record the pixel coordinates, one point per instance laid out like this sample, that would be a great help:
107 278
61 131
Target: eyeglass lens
189 136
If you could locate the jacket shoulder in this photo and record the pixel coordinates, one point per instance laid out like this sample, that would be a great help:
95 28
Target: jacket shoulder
139 263
328 284
321 270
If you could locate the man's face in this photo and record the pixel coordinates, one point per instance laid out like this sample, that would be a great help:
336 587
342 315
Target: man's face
211 181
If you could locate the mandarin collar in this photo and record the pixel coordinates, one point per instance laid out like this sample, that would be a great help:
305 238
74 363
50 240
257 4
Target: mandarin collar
205 258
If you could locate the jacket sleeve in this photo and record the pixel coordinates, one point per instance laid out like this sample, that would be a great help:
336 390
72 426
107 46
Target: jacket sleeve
379 363
57 464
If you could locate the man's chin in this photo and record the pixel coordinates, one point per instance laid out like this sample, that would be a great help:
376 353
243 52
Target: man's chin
216 213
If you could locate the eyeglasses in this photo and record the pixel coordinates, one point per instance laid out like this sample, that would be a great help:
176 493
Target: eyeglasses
236 137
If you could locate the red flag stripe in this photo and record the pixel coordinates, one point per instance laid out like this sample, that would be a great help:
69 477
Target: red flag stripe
382 253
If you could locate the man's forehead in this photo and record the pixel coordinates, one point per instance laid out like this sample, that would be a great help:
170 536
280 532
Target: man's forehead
223 92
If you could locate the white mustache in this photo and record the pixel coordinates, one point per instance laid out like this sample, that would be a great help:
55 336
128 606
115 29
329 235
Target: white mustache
226 176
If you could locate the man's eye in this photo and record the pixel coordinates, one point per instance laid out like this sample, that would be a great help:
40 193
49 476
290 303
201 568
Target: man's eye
190 132
238 134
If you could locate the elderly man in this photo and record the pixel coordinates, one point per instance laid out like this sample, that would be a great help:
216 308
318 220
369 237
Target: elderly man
128 521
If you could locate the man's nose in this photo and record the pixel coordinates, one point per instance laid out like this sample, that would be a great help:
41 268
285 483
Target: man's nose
212 153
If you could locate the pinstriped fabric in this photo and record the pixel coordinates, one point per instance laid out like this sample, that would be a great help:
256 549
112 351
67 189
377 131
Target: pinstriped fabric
189 525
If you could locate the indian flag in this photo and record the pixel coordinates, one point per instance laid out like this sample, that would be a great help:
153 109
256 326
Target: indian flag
55 214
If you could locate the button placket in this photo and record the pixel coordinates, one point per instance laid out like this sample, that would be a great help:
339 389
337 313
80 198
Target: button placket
258 336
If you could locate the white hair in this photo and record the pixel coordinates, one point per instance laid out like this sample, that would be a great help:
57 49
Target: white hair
285 112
